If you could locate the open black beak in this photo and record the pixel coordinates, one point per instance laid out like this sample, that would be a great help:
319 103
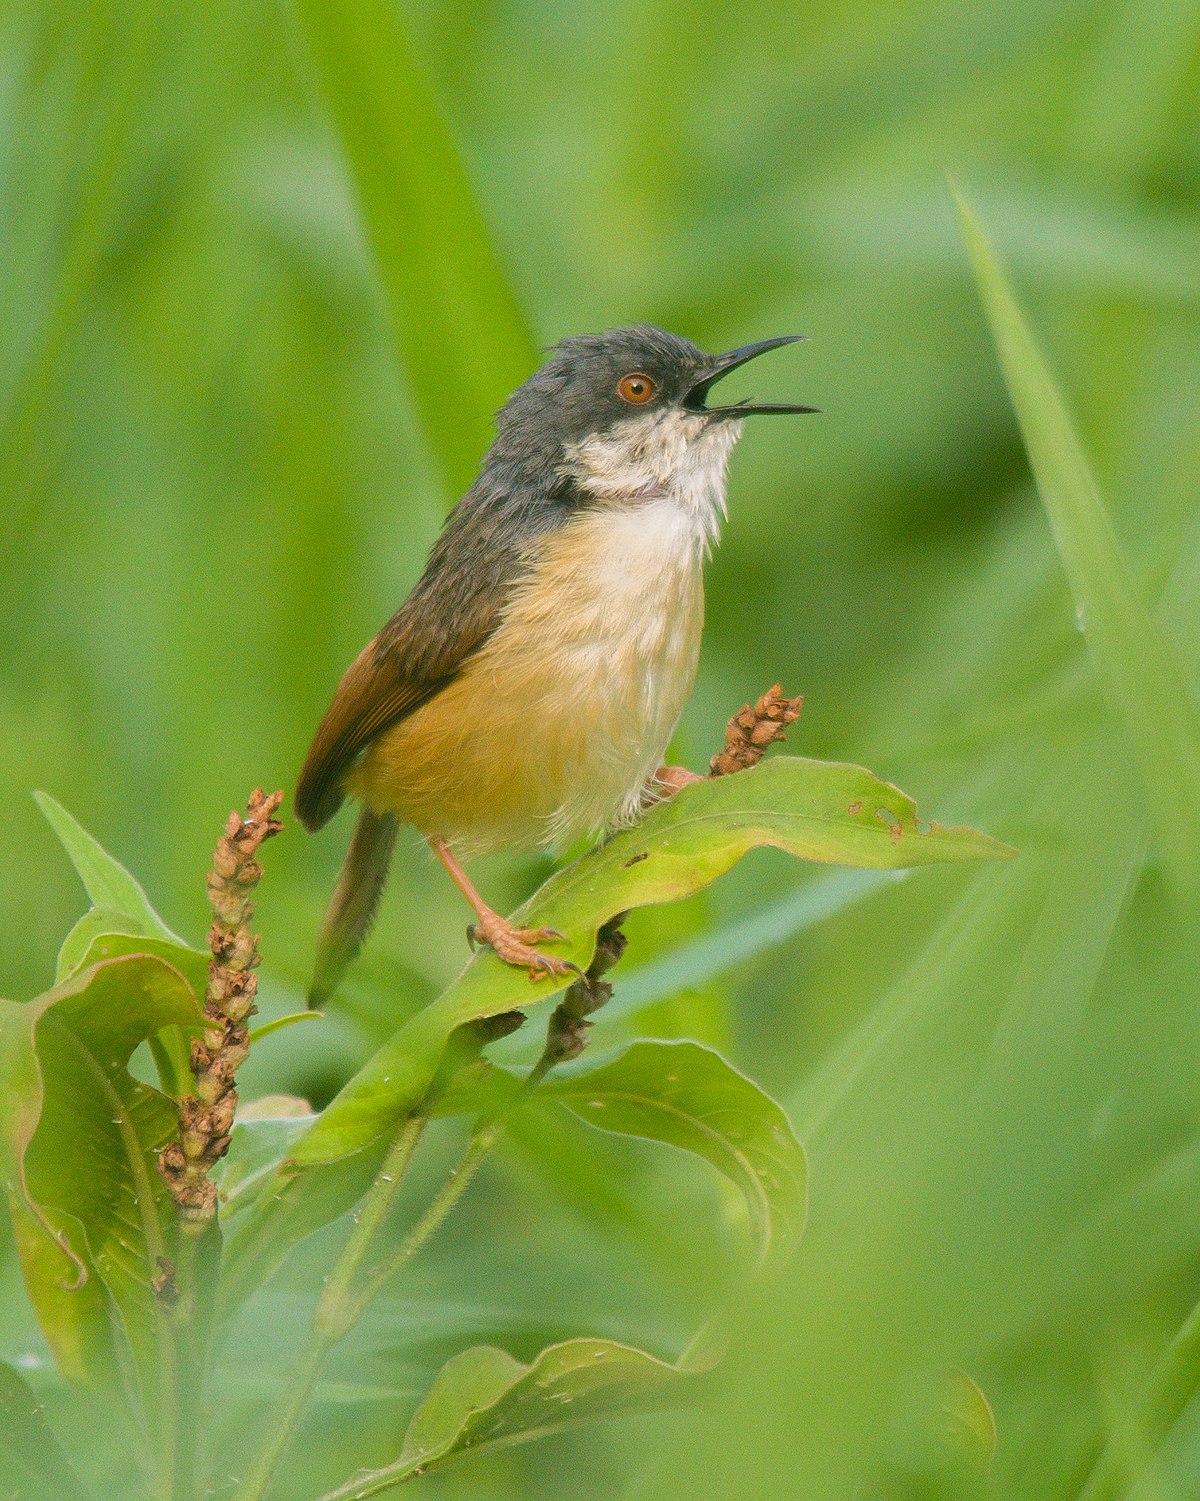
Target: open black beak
720 365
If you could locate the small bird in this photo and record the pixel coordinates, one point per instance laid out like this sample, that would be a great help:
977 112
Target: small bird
526 690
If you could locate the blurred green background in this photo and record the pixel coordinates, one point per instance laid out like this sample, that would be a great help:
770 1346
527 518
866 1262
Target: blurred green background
266 273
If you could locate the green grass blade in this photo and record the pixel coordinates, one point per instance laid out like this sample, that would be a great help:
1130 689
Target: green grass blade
461 337
1145 688
105 147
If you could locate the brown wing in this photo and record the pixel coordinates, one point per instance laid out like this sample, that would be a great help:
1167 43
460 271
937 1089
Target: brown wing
484 549
451 612
374 693
417 653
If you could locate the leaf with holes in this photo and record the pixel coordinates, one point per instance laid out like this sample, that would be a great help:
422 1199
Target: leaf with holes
828 812
824 811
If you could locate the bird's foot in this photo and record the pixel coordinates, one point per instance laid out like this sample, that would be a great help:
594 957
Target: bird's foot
667 780
516 946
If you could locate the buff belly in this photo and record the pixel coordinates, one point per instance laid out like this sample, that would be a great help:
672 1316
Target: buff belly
552 729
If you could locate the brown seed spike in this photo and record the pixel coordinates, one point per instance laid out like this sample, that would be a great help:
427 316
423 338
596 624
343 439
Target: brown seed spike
753 729
206 1116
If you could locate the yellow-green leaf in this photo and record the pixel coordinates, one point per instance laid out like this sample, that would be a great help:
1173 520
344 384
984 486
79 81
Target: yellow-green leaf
484 1399
829 812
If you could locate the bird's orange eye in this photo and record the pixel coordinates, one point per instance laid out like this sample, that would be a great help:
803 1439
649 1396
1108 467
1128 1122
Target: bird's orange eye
636 389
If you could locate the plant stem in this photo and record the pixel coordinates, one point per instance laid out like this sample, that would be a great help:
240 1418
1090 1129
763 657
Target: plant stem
484 1137
329 1323
331 1320
481 1142
196 1270
342 1303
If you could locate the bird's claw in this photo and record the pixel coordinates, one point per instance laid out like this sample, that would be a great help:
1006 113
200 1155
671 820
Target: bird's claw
516 946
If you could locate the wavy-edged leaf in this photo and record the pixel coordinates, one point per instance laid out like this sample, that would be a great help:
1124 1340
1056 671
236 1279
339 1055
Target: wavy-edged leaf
688 1096
78 1136
825 811
31 1461
462 340
96 923
191 963
170 1045
484 1399
107 882
1146 690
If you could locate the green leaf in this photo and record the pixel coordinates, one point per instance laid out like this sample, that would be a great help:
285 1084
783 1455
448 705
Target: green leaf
823 811
970 1422
688 1096
681 1094
1146 691
78 1136
256 1148
90 941
484 1399
32 1463
462 341
170 1046
108 883
96 923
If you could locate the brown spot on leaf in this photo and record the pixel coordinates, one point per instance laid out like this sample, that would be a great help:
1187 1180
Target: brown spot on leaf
162 1284
894 823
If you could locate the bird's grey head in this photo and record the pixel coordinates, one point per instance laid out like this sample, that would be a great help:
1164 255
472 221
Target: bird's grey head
626 413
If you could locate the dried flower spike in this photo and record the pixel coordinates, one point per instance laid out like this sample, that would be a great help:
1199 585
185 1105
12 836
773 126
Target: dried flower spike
206 1117
751 730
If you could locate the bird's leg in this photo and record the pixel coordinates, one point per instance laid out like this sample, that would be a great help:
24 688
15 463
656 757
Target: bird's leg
513 945
667 780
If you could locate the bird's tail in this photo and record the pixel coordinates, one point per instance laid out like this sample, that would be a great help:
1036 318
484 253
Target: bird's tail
354 902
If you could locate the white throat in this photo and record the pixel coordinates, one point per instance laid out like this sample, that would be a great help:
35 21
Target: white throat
663 456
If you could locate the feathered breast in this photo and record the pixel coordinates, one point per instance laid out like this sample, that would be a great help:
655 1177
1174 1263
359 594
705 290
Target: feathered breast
553 726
